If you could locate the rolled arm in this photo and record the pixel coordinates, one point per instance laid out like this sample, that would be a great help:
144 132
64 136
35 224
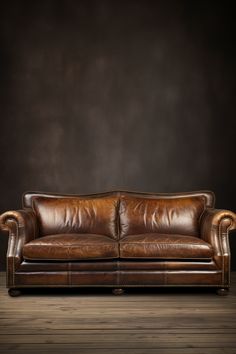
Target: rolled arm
21 222
22 228
215 226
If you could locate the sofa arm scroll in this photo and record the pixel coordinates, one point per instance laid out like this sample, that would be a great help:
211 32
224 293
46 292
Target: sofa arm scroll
21 222
22 228
215 226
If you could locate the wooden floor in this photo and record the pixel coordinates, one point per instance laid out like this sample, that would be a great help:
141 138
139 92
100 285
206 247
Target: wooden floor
88 321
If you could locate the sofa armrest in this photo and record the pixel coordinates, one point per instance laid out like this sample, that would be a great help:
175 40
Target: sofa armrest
215 226
22 228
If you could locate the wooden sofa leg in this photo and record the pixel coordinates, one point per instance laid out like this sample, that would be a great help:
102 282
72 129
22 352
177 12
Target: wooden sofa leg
14 292
118 291
222 291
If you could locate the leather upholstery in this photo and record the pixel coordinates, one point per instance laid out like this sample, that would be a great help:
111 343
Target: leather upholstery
29 197
165 247
59 265
20 220
77 215
71 247
215 227
22 227
118 239
77 246
177 216
167 278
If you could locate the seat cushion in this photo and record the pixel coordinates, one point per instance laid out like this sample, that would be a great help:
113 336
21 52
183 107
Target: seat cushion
165 246
71 247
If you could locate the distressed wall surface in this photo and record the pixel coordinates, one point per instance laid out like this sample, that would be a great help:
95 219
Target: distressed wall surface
101 95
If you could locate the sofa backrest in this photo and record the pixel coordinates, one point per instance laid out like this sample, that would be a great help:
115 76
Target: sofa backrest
161 214
88 215
118 214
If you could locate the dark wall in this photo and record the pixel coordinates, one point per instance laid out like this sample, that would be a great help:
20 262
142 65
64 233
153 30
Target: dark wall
100 95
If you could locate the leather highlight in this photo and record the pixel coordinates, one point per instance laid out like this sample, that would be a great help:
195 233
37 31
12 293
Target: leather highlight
77 215
177 216
169 247
71 247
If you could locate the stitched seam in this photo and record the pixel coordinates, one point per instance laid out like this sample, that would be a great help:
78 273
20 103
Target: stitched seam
221 249
34 226
7 277
69 273
165 276
15 246
229 254
158 257
160 243
76 245
200 217
118 272
225 235
13 271
118 216
66 259
14 253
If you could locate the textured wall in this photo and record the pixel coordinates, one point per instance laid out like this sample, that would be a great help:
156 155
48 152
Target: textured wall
100 95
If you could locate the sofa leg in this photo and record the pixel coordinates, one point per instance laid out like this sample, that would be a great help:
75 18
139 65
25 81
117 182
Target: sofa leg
14 292
222 291
118 291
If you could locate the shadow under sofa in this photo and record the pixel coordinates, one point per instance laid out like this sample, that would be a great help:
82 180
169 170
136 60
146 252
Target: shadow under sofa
118 239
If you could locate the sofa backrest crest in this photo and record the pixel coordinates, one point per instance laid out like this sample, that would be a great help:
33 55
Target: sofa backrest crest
118 214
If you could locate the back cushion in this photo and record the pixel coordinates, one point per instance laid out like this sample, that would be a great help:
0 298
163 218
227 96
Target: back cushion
77 215
176 216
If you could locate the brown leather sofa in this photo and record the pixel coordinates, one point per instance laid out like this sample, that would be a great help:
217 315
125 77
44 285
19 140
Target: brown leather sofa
118 240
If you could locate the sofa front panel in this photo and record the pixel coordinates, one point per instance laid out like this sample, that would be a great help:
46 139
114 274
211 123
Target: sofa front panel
77 215
168 216
159 264
176 278
66 278
29 279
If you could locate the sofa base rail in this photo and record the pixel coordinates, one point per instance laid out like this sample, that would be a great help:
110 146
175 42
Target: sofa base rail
118 279
15 292
114 286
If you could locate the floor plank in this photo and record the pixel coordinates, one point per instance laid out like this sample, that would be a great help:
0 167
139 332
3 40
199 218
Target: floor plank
93 321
